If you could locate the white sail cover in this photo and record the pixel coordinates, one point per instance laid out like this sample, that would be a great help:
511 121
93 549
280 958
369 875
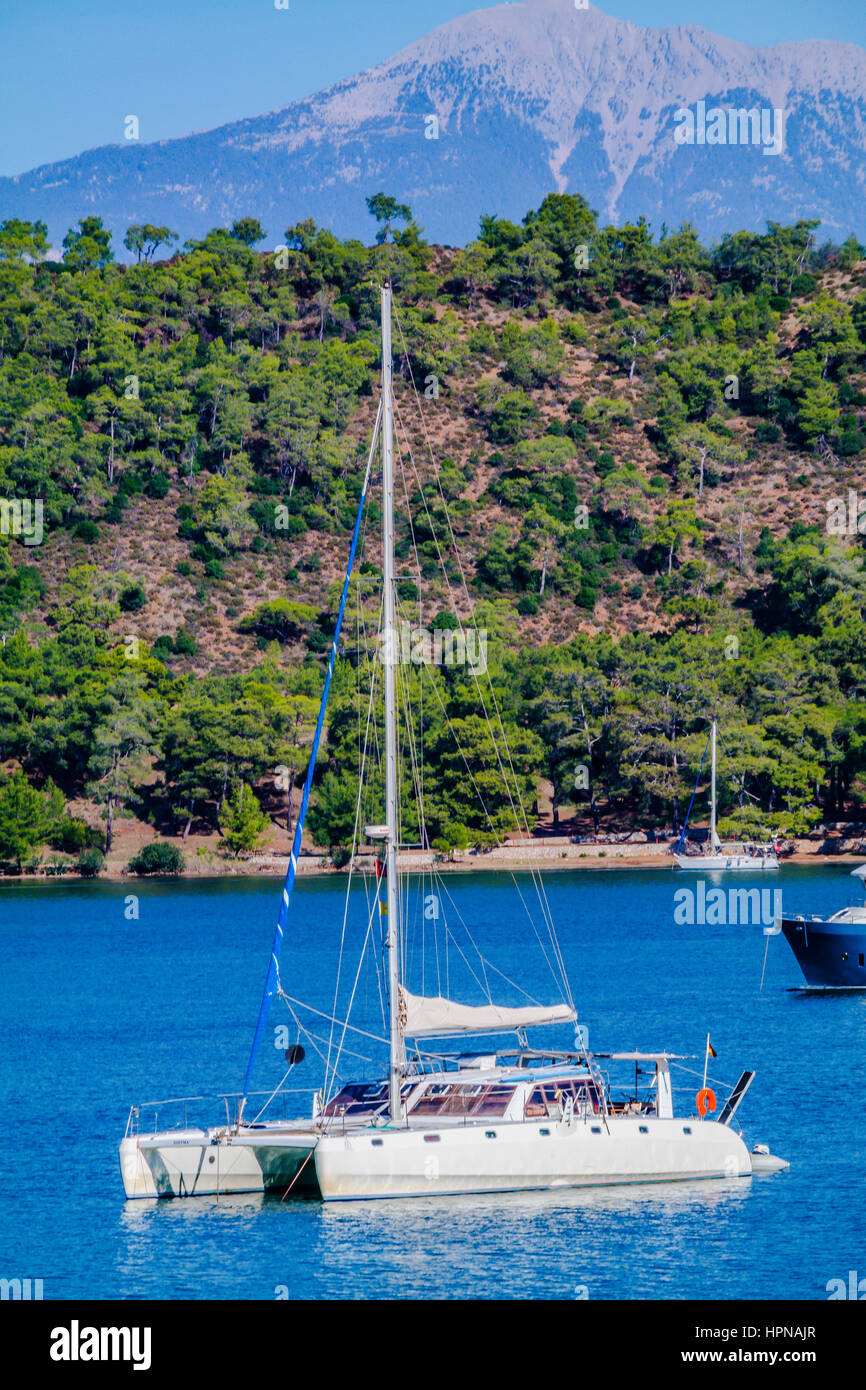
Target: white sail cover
432 1017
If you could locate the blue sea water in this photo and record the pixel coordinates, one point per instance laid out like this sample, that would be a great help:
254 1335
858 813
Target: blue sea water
98 1010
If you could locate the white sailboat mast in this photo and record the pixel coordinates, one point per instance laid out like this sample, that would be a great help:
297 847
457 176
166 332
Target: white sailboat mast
714 839
392 889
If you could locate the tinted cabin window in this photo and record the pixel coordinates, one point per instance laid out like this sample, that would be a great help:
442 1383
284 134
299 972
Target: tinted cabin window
364 1098
358 1100
464 1100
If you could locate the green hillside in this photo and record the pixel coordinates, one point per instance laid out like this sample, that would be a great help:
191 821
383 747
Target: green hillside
644 448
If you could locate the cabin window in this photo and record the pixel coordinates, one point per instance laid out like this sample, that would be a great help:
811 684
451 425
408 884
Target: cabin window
365 1098
860 959
687 1129
548 1100
482 1099
644 1129
596 1129
377 1143
844 955
545 1132
359 1099
490 1134
432 1138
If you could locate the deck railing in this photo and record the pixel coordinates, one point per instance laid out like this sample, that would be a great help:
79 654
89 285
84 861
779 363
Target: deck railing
229 1099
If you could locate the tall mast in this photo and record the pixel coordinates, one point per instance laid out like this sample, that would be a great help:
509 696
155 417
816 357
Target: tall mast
714 839
392 889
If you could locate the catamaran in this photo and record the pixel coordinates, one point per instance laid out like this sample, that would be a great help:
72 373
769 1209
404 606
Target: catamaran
744 856
436 1123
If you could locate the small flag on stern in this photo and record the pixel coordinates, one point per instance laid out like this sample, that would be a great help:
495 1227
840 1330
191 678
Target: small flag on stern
711 1049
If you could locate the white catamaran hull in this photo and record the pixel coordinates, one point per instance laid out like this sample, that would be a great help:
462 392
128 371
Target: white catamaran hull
524 1157
199 1163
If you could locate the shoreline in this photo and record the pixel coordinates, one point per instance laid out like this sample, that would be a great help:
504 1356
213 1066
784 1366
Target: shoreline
502 859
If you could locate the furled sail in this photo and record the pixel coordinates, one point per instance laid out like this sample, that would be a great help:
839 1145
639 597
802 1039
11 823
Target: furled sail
431 1017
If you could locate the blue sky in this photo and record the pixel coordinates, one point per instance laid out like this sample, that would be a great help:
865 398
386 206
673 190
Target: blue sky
71 72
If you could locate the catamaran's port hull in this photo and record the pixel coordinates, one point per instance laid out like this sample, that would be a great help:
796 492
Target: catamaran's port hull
522 1157
830 954
196 1163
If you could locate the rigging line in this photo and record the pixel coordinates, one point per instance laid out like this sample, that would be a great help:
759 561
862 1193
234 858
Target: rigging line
271 1096
359 1056
561 983
301 1028
272 976
473 943
346 906
525 907
404 686
485 989
369 936
461 751
357 977
507 786
714 1079
352 1027
540 891
422 812
489 964
380 970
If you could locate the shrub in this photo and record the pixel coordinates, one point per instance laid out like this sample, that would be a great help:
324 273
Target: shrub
86 531
157 485
242 820
157 858
184 643
528 605
767 434
606 464
804 284
575 331
481 340
132 598
89 862
75 834
852 442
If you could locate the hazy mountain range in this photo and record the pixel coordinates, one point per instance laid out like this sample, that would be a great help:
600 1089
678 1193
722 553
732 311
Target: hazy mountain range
528 98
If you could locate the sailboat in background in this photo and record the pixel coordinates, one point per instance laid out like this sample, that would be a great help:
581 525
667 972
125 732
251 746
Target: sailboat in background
743 856
438 1123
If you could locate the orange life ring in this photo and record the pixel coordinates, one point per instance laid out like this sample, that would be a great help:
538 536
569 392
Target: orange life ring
706 1101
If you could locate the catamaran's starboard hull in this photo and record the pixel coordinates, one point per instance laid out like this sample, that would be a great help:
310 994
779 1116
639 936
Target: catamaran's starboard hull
525 1157
197 1163
714 863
